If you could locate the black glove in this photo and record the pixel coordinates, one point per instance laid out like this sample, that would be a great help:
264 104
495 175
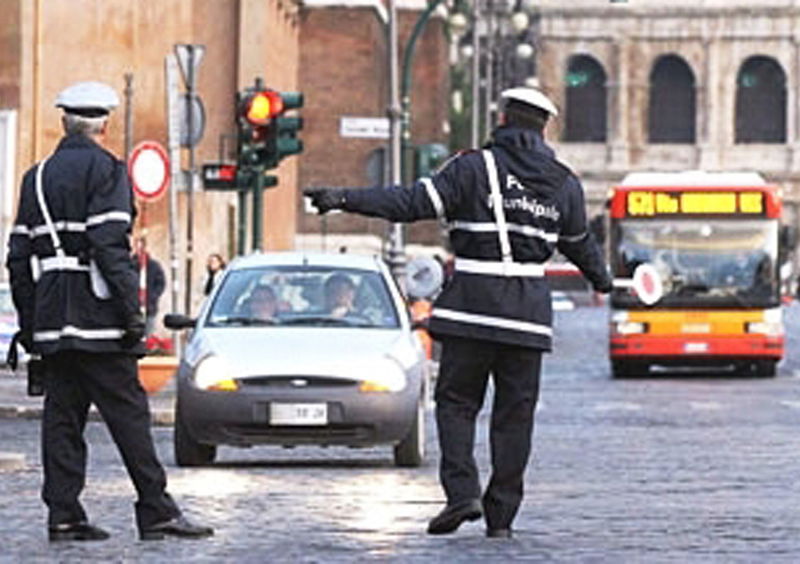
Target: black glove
326 199
134 331
605 285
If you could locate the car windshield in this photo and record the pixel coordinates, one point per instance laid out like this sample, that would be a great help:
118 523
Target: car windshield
295 296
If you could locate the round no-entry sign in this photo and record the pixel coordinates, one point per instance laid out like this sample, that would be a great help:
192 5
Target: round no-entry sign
148 167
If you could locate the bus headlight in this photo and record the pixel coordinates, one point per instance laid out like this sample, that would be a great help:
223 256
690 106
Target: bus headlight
768 328
629 327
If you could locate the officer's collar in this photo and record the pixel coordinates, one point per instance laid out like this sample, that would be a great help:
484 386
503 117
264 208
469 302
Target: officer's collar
76 141
510 135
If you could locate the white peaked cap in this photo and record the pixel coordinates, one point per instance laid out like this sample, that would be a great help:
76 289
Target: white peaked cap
532 97
86 95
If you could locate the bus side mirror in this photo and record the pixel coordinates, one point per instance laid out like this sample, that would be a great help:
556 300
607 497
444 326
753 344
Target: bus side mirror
788 238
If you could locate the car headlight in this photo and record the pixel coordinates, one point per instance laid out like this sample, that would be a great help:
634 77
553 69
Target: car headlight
212 373
386 376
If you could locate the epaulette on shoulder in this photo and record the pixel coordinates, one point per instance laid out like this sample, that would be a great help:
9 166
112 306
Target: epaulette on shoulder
566 165
445 163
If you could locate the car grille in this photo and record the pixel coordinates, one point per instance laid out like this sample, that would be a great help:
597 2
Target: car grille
306 434
296 382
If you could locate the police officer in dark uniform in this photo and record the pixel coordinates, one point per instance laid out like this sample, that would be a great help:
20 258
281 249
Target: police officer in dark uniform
75 289
508 207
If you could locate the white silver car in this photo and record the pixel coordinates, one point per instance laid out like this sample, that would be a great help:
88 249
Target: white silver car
299 348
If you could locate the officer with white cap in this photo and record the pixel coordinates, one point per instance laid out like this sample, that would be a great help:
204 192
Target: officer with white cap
508 208
75 289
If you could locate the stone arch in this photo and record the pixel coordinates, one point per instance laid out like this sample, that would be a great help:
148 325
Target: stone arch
585 118
761 101
672 108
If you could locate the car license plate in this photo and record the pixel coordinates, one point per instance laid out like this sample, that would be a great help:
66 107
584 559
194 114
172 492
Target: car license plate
298 414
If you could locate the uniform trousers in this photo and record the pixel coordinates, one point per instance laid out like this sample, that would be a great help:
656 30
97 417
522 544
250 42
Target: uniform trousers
74 380
460 388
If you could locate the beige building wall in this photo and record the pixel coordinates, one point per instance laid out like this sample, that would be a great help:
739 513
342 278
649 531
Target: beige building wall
47 44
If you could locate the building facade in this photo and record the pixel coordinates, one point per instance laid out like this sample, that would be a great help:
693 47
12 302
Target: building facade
671 86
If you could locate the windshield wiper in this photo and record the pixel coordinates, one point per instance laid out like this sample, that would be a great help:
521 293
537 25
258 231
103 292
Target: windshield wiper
322 320
244 320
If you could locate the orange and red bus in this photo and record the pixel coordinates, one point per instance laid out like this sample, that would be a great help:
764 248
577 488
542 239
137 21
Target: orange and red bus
715 241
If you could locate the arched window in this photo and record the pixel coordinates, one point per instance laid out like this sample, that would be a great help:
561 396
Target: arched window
671 115
586 100
761 102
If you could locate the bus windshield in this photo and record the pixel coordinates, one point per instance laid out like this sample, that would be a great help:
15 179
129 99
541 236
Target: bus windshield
722 261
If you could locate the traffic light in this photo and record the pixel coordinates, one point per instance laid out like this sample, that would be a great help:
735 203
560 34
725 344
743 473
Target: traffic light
283 141
266 135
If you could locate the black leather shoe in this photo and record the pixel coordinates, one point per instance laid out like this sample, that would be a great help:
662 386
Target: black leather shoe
80 531
451 517
179 526
499 533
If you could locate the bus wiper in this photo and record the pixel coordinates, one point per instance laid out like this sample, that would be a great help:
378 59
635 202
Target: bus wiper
736 295
683 286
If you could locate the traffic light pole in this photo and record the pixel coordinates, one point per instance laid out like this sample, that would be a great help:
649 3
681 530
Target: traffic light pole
258 205
241 234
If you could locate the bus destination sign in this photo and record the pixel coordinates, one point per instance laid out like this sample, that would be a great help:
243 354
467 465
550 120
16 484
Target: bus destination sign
648 203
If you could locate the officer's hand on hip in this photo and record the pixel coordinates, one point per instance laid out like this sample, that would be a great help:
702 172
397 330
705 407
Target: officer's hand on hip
134 331
326 199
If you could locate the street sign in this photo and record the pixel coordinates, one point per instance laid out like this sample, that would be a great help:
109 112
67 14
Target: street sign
198 120
219 176
189 57
148 168
364 127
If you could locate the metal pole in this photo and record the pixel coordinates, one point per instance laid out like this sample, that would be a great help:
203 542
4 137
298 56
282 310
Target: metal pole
258 206
476 75
128 115
489 70
241 231
396 254
171 71
405 89
190 187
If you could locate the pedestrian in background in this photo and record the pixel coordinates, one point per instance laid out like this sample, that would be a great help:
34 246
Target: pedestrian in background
151 284
215 264
509 207
75 289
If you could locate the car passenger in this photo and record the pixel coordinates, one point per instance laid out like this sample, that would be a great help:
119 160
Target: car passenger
262 303
339 295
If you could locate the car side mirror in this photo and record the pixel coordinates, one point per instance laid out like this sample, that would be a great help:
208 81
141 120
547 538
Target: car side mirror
178 321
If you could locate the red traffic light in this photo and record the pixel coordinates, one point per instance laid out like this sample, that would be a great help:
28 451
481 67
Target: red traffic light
262 106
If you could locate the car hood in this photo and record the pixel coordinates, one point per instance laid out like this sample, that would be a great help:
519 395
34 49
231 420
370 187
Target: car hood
259 352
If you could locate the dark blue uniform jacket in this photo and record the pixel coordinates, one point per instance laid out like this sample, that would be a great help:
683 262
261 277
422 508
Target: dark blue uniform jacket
90 201
544 209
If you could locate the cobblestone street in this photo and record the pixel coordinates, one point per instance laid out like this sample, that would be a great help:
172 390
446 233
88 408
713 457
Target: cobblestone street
677 469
